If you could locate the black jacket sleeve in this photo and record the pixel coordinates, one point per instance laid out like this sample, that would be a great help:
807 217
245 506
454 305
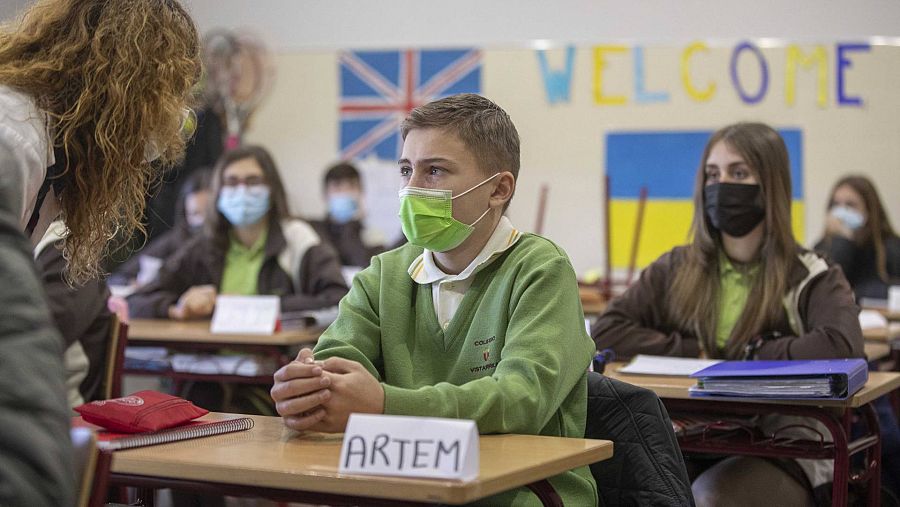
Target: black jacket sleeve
180 272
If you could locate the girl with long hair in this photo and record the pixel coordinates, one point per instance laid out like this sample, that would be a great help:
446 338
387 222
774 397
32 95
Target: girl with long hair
250 246
859 237
741 289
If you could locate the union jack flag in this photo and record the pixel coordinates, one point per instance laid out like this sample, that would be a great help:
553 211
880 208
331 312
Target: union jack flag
379 88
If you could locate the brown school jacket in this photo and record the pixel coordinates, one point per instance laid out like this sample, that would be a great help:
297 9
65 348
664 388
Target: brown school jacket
199 262
638 322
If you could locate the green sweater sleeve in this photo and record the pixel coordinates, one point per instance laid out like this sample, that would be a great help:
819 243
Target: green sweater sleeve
547 352
356 333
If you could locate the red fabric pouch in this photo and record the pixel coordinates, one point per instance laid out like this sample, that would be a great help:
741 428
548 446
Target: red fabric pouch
142 411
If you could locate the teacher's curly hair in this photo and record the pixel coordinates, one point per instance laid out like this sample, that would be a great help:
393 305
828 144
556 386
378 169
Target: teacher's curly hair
114 78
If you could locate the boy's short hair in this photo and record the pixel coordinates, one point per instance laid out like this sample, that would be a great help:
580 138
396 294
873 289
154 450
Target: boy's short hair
342 171
483 126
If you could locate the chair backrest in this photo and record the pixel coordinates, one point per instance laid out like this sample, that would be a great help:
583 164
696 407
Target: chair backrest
115 358
646 467
91 468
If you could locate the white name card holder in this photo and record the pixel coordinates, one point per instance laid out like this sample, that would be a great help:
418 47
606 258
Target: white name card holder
423 447
246 315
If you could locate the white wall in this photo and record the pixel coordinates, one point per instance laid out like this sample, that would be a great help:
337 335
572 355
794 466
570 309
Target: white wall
316 24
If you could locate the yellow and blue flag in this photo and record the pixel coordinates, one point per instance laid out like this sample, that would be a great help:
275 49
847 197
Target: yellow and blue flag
666 163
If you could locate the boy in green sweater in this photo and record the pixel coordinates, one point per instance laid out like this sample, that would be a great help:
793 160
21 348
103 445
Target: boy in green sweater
471 319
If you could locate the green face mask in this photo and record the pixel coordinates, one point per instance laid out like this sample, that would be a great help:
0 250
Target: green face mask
427 218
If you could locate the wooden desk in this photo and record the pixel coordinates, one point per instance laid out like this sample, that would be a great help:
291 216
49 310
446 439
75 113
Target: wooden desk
883 334
835 415
876 351
193 336
592 302
164 332
274 462
879 384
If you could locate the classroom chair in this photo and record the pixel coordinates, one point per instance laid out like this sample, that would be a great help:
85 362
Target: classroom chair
115 359
646 467
91 468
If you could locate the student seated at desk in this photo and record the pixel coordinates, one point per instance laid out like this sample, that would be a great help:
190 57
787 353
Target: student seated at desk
251 246
859 237
742 289
190 215
80 313
343 226
471 319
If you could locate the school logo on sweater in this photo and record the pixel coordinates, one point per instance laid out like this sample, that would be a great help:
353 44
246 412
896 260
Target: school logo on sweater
379 88
485 354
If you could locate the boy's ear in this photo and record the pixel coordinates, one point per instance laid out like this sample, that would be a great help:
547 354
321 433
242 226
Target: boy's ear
503 192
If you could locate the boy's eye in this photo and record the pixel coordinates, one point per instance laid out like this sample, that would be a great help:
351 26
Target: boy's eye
434 170
405 171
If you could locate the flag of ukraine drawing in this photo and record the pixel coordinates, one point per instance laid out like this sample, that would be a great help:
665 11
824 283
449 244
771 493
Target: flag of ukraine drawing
667 163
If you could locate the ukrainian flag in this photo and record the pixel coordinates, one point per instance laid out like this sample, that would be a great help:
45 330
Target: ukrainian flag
666 163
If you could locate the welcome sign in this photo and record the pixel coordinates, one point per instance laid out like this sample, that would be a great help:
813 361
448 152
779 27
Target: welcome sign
748 73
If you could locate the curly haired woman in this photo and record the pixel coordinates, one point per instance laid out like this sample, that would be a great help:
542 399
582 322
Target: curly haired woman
90 90
94 90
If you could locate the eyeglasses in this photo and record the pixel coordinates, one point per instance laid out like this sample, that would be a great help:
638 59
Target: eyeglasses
234 181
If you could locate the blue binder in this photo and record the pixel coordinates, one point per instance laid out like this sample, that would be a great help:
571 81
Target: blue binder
824 379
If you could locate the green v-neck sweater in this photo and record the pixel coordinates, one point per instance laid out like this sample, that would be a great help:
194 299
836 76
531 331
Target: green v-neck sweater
514 360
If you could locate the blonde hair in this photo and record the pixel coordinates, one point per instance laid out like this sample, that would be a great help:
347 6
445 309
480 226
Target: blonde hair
695 295
112 76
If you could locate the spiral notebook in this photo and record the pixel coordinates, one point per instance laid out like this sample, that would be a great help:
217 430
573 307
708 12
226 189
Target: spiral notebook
111 441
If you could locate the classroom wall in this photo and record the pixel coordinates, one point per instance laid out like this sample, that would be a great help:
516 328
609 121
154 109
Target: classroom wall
563 143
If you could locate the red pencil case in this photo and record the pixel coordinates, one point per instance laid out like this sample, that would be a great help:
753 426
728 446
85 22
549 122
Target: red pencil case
142 411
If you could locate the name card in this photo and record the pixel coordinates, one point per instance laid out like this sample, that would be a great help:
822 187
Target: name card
246 314
427 447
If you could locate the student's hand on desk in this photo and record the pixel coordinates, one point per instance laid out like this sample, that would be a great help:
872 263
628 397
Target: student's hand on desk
197 302
353 389
299 391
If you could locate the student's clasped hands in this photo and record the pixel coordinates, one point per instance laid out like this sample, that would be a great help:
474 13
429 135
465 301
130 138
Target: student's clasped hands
321 395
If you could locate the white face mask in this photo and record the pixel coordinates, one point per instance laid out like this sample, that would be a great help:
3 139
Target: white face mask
851 218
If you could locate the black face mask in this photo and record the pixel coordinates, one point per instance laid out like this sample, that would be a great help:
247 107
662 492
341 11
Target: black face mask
734 208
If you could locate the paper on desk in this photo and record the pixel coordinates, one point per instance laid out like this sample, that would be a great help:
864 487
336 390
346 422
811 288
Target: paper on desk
663 365
246 314
871 319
